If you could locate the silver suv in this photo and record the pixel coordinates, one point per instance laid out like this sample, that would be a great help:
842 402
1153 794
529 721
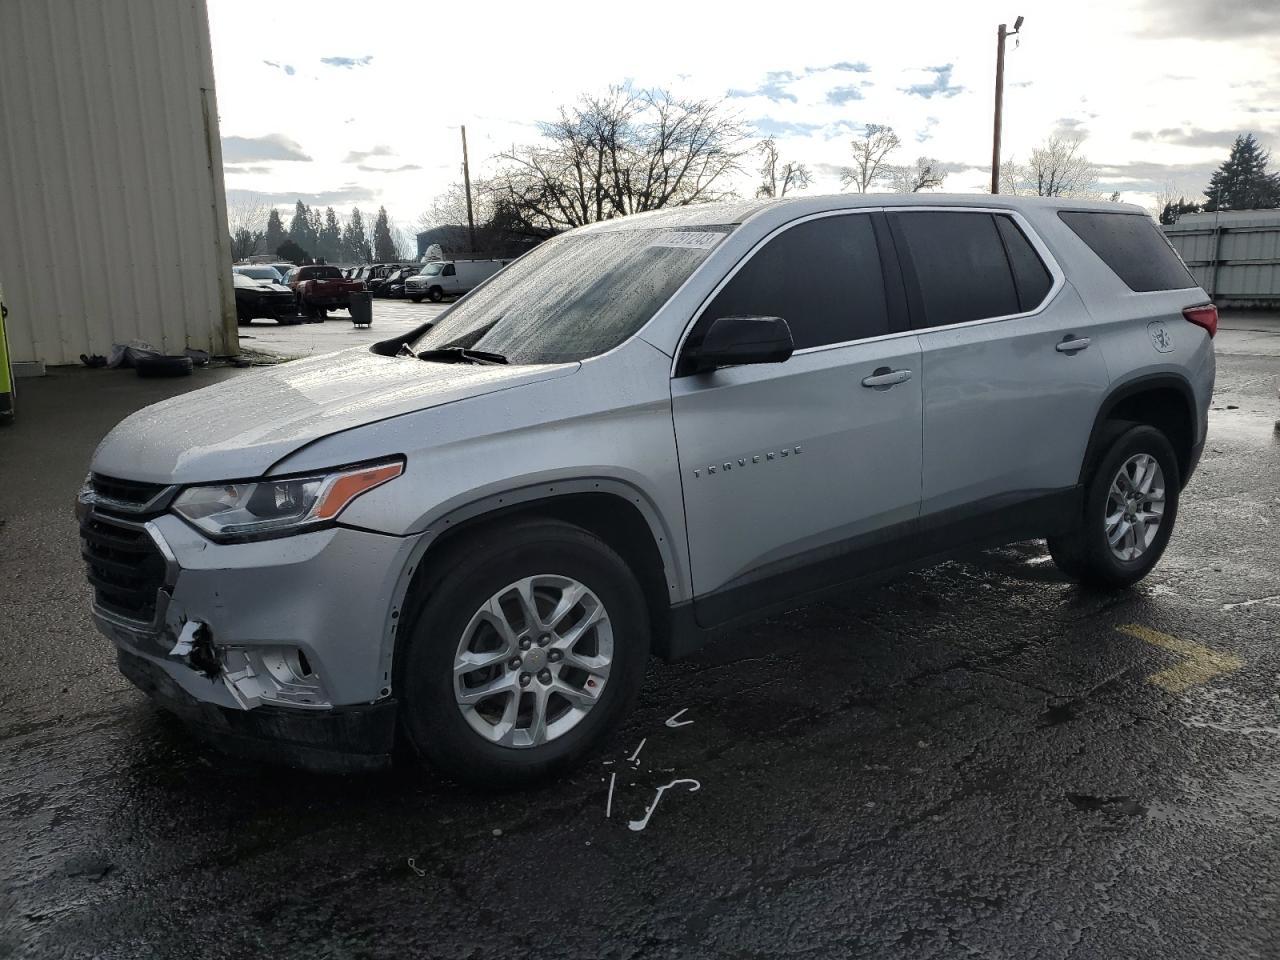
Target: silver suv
472 537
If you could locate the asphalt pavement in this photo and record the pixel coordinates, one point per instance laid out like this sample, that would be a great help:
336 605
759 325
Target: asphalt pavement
977 760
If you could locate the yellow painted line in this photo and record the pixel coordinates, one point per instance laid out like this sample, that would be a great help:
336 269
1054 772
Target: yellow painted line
1200 664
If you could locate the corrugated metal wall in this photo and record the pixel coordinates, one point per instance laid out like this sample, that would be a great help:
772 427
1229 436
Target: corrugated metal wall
1234 255
112 212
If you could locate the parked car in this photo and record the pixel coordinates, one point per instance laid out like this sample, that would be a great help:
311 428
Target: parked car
259 271
393 286
642 431
265 298
382 274
319 288
450 278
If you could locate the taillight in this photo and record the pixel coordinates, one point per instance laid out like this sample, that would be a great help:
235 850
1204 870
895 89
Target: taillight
1203 316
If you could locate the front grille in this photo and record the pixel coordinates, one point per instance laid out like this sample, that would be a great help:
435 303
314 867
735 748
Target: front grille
128 496
126 568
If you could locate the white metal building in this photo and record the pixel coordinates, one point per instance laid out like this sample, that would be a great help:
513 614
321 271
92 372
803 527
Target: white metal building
1234 255
112 212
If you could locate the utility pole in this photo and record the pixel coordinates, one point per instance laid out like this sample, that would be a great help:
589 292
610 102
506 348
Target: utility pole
466 177
1001 34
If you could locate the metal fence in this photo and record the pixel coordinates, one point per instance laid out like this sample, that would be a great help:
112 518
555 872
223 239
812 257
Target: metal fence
112 219
1235 255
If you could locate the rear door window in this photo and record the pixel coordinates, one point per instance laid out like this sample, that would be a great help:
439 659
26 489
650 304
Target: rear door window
822 276
961 272
1133 247
1030 276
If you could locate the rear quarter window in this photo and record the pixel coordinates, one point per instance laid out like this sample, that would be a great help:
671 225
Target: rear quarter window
1133 247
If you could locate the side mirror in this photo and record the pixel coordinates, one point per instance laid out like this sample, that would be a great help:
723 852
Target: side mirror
734 341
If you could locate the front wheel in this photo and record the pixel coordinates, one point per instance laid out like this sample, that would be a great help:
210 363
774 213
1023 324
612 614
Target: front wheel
416 299
526 649
1130 506
435 294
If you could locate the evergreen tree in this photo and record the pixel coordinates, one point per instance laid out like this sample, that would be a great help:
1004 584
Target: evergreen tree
275 231
330 245
292 252
1242 182
1176 208
302 229
384 248
355 245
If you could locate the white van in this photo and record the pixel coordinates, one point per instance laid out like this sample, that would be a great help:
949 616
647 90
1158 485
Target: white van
450 278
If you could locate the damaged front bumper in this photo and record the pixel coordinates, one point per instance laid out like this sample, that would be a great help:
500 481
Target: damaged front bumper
280 649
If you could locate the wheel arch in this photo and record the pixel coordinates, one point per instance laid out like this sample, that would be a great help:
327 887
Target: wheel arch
1165 401
613 510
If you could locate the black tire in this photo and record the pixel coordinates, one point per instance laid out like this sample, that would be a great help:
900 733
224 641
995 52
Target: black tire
455 587
435 294
416 299
164 366
1085 555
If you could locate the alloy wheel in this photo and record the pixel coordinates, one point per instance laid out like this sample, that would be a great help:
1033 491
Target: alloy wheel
533 661
1135 507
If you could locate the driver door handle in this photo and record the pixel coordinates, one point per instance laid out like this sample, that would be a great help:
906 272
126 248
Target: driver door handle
884 377
1072 346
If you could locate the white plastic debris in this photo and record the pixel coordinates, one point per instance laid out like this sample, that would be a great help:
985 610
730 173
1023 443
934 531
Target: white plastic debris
644 821
672 720
416 869
608 804
635 757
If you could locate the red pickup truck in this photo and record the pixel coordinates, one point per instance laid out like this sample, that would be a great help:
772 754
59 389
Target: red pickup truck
319 288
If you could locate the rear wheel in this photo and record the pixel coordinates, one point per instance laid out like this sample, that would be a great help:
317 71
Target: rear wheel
1130 506
527 648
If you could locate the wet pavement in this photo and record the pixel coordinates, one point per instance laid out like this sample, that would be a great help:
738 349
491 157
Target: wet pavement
980 759
293 341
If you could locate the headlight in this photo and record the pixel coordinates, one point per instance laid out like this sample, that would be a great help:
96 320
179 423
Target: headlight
278 507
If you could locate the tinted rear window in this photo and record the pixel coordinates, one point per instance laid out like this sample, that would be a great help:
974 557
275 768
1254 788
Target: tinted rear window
1030 275
960 266
1133 247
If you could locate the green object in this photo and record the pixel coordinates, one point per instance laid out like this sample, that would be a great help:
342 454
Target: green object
6 373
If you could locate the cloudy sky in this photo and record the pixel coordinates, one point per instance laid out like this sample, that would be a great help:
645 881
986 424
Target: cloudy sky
342 103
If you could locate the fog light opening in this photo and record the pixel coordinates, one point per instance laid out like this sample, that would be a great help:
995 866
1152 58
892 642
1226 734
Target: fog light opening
304 665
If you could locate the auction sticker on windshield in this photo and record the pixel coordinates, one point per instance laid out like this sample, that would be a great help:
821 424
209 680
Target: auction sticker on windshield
690 240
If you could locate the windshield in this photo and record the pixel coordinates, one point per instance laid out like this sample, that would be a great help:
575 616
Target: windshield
259 273
431 269
574 296
321 273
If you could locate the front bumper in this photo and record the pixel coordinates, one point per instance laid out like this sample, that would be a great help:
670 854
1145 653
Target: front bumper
343 740
296 642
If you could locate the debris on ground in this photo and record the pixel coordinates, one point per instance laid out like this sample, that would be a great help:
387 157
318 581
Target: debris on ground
672 720
648 813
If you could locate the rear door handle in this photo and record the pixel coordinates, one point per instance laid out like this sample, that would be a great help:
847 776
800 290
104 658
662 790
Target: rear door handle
1073 345
884 377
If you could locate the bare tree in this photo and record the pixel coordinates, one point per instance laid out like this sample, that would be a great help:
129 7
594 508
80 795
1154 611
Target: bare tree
247 222
925 174
449 209
777 178
1057 168
869 152
618 153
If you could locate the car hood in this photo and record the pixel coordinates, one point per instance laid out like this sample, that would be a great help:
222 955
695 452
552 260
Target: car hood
241 427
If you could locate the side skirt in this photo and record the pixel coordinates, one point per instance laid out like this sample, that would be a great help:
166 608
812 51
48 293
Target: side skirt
869 559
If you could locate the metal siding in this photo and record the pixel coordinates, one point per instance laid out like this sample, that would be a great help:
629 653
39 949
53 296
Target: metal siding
112 213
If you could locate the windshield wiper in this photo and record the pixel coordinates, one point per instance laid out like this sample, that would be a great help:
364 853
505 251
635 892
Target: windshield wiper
462 355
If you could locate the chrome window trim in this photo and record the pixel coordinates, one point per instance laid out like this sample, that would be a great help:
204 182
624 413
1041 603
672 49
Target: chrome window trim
1033 237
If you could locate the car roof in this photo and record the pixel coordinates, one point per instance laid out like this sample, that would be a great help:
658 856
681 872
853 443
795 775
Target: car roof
740 211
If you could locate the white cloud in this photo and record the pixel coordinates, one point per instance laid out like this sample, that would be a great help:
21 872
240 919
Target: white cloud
1160 86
